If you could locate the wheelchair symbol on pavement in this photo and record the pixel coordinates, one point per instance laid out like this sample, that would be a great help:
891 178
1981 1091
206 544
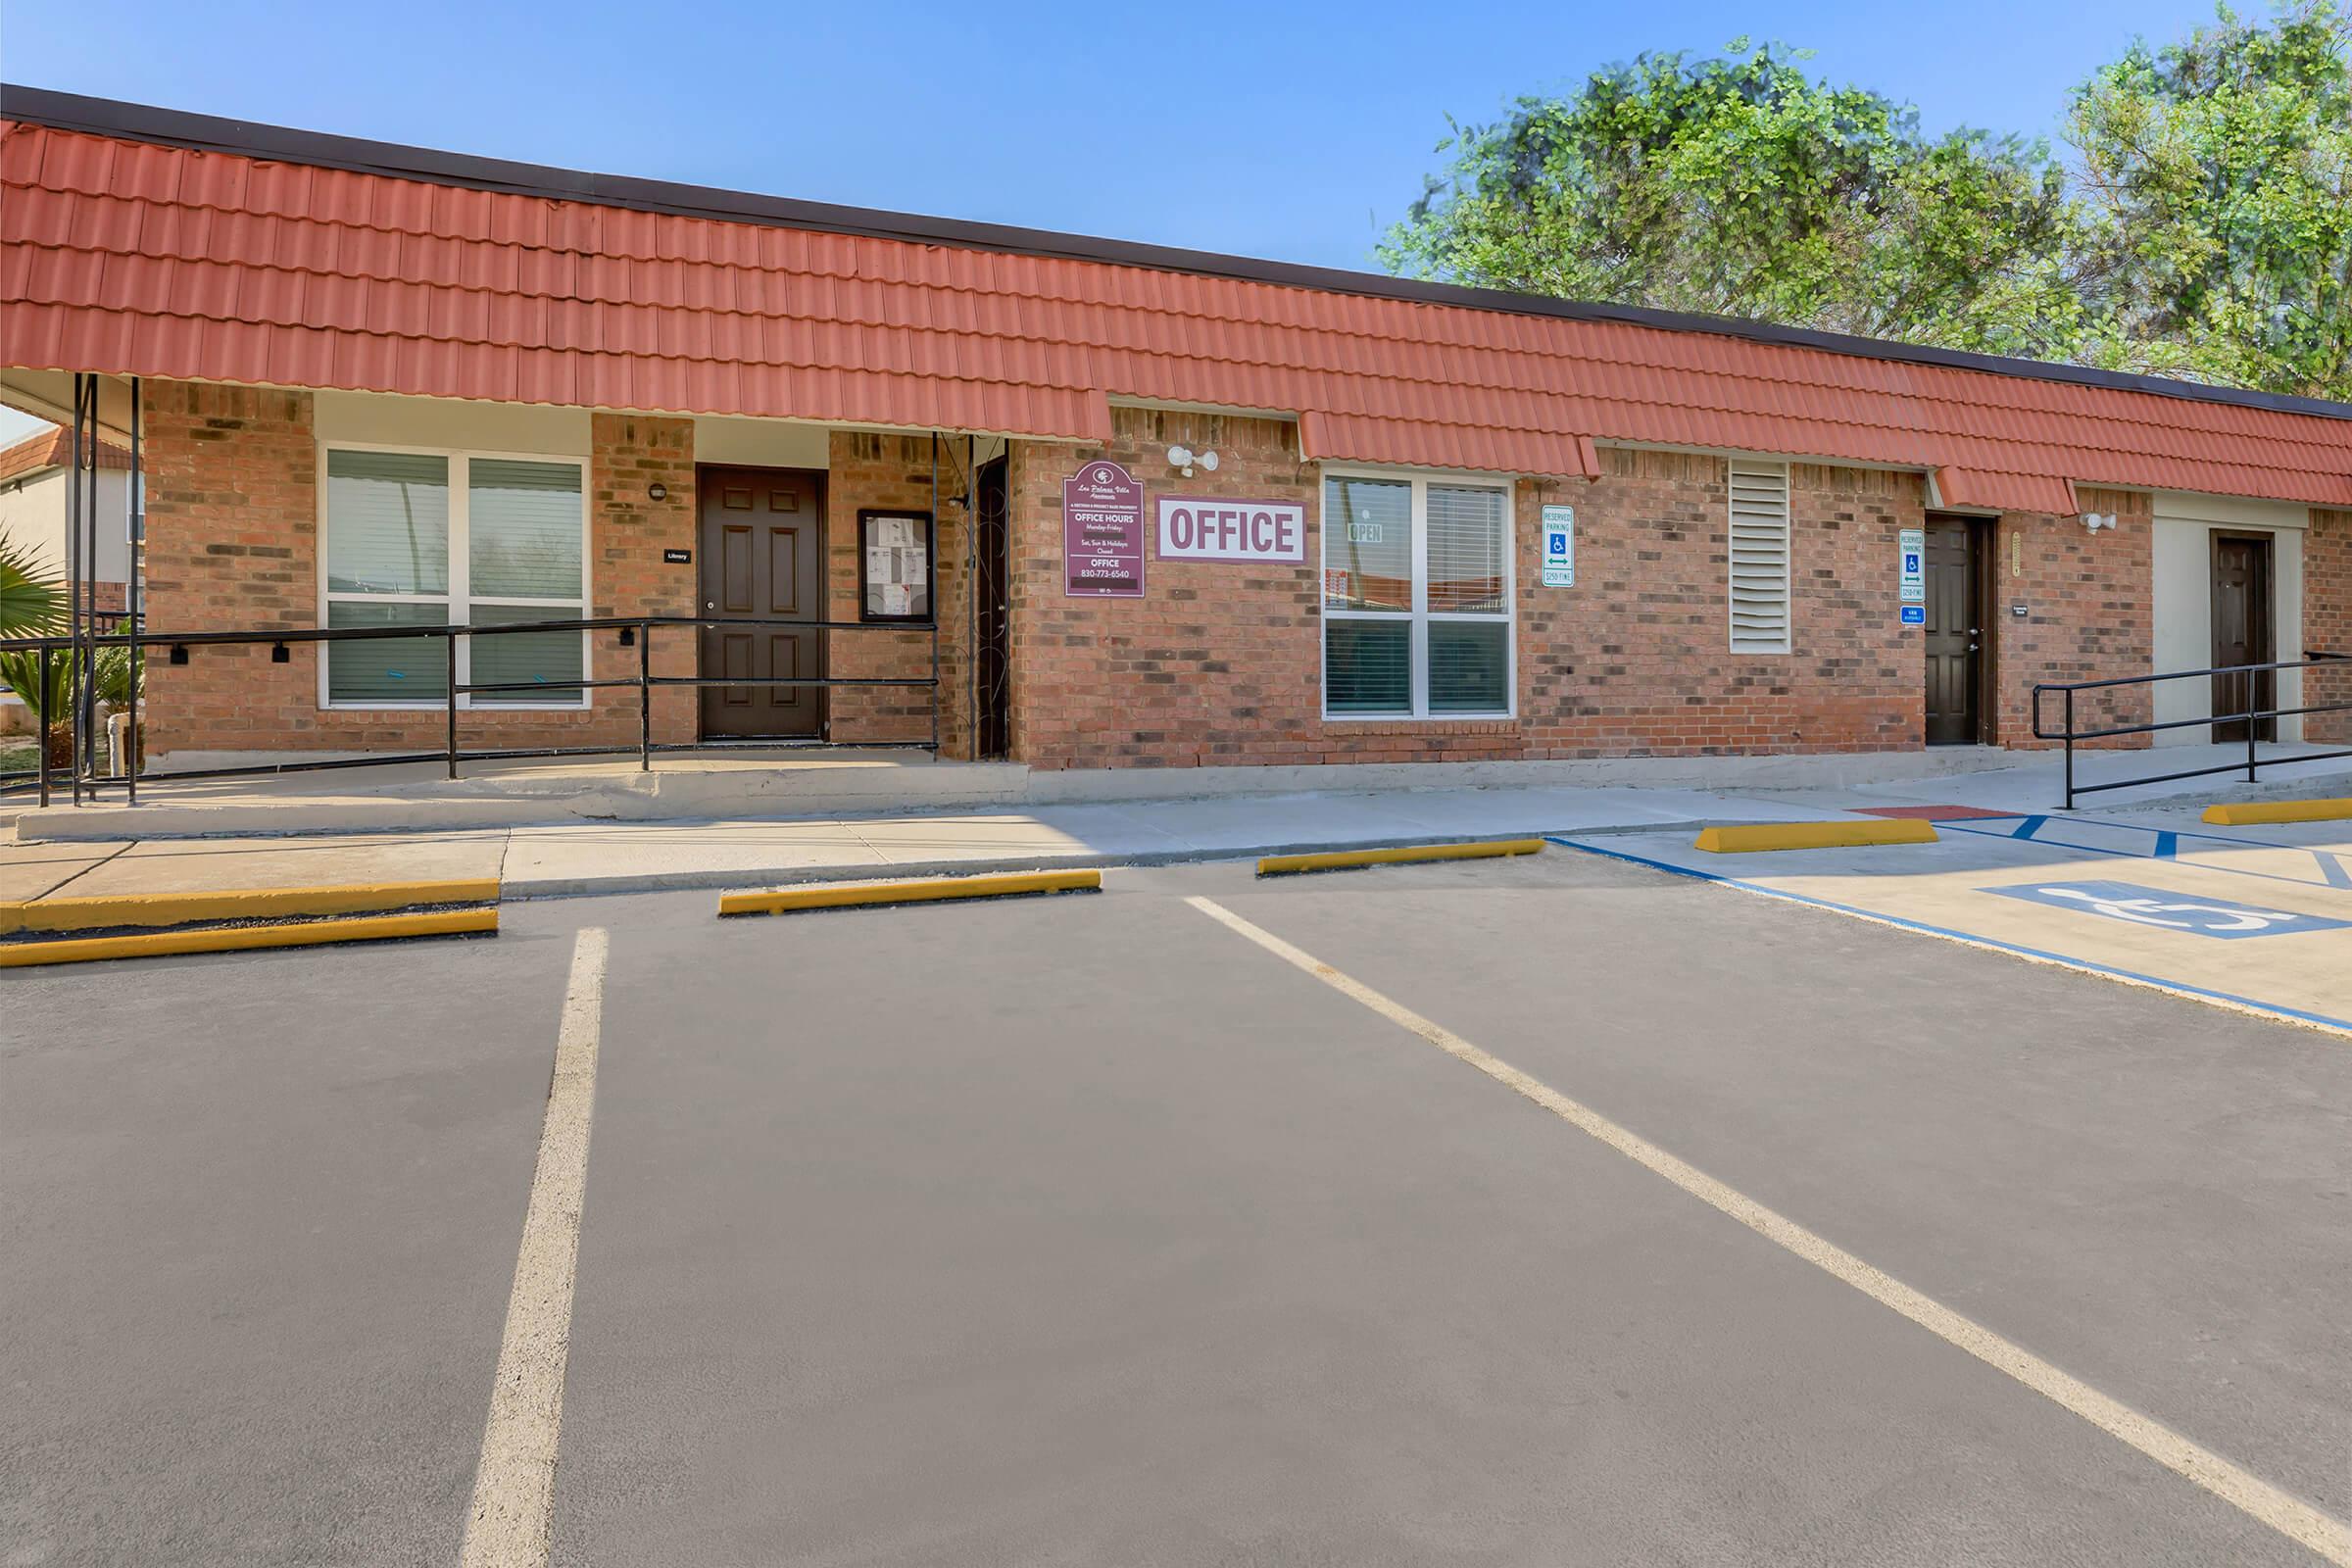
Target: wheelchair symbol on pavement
2167 911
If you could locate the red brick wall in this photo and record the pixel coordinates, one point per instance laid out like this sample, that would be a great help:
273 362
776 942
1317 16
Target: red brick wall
1221 663
2089 614
2327 622
232 540
627 531
1636 659
871 471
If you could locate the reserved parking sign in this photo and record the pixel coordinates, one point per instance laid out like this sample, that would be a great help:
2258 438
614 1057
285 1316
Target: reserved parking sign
1559 547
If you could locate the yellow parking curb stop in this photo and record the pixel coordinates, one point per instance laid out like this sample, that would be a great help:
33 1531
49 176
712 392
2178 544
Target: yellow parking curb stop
107 914
2245 813
1345 860
929 890
1751 837
242 937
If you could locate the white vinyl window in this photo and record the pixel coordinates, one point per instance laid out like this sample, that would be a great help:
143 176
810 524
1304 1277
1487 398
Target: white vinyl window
1760 572
453 538
1417 598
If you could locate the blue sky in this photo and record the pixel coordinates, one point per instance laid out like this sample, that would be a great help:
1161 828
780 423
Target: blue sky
1294 132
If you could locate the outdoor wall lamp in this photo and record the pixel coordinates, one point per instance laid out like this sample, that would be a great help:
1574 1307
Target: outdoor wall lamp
2094 521
657 491
1185 457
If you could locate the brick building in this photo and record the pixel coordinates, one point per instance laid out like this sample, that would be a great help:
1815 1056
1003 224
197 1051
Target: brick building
1081 503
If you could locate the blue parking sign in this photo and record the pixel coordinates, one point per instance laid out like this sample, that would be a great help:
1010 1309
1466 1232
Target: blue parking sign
2191 914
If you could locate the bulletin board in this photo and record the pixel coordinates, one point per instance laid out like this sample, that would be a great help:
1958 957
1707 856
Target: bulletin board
894 558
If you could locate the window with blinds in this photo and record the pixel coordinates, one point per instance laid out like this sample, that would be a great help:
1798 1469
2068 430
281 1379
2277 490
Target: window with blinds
1416 598
446 538
1760 574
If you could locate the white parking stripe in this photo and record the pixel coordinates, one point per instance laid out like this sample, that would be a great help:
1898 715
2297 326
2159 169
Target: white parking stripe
514 1484
2282 1511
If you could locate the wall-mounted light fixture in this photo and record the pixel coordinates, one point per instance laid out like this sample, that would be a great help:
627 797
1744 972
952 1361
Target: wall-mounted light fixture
657 491
1185 457
2094 521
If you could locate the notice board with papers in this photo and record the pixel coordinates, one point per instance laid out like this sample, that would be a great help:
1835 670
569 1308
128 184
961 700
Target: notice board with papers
894 550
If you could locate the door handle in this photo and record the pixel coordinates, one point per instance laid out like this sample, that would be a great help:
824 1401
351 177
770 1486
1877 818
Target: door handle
709 604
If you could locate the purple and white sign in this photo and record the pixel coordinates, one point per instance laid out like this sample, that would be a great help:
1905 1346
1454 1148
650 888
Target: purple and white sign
1103 533
1201 528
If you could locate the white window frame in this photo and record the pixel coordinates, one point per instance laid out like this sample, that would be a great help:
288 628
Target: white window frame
1421 616
458 594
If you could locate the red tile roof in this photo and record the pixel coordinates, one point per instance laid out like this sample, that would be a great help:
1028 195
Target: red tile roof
131 256
51 450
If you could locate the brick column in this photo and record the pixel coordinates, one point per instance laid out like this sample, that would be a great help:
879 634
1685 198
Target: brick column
2327 622
232 535
627 532
2089 613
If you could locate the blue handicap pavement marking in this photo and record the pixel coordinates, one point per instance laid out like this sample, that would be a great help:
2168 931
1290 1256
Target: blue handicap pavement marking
2171 912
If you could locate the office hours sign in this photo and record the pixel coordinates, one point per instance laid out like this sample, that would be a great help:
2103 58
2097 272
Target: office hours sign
1103 533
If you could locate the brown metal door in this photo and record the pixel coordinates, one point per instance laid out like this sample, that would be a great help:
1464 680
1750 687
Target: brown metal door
764 557
2241 631
1955 633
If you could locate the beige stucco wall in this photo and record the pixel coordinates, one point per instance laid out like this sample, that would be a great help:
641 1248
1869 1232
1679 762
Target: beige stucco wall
33 517
2184 589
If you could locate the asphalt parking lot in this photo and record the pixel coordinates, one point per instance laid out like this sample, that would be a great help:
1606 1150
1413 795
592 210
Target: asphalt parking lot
1105 1228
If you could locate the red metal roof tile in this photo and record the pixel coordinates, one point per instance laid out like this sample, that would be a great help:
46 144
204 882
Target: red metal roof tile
133 257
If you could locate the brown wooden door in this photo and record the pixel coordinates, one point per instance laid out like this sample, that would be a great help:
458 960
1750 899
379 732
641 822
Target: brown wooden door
2241 631
1955 633
763 560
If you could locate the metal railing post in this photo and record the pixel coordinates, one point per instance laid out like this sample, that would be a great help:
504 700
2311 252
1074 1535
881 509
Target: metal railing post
2070 749
2253 729
134 524
449 671
645 697
79 684
41 721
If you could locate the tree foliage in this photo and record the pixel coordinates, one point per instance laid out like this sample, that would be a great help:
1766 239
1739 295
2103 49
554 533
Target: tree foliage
2205 229
2217 176
1741 186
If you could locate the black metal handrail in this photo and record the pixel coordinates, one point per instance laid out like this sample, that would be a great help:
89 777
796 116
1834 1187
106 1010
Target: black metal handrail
636 630
2252 719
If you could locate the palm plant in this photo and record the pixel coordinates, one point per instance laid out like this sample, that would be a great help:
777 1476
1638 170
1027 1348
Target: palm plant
33 605
30 604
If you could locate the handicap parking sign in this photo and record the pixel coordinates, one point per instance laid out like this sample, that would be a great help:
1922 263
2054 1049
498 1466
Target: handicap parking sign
2167 911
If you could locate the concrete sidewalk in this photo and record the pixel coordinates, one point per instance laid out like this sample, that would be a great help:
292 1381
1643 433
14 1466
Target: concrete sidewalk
631 857
604 857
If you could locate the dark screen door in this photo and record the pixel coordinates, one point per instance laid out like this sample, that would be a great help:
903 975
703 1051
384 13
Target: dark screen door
1955 633
992 559
763 545
2241 631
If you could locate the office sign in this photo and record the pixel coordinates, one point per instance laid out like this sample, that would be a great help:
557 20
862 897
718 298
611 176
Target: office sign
1559 547
1103 533
1198 528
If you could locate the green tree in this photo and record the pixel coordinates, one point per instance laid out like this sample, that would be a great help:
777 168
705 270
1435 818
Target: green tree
2218 173
1740 186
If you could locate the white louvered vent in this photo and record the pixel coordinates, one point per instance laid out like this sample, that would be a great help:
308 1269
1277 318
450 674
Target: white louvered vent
1760 597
